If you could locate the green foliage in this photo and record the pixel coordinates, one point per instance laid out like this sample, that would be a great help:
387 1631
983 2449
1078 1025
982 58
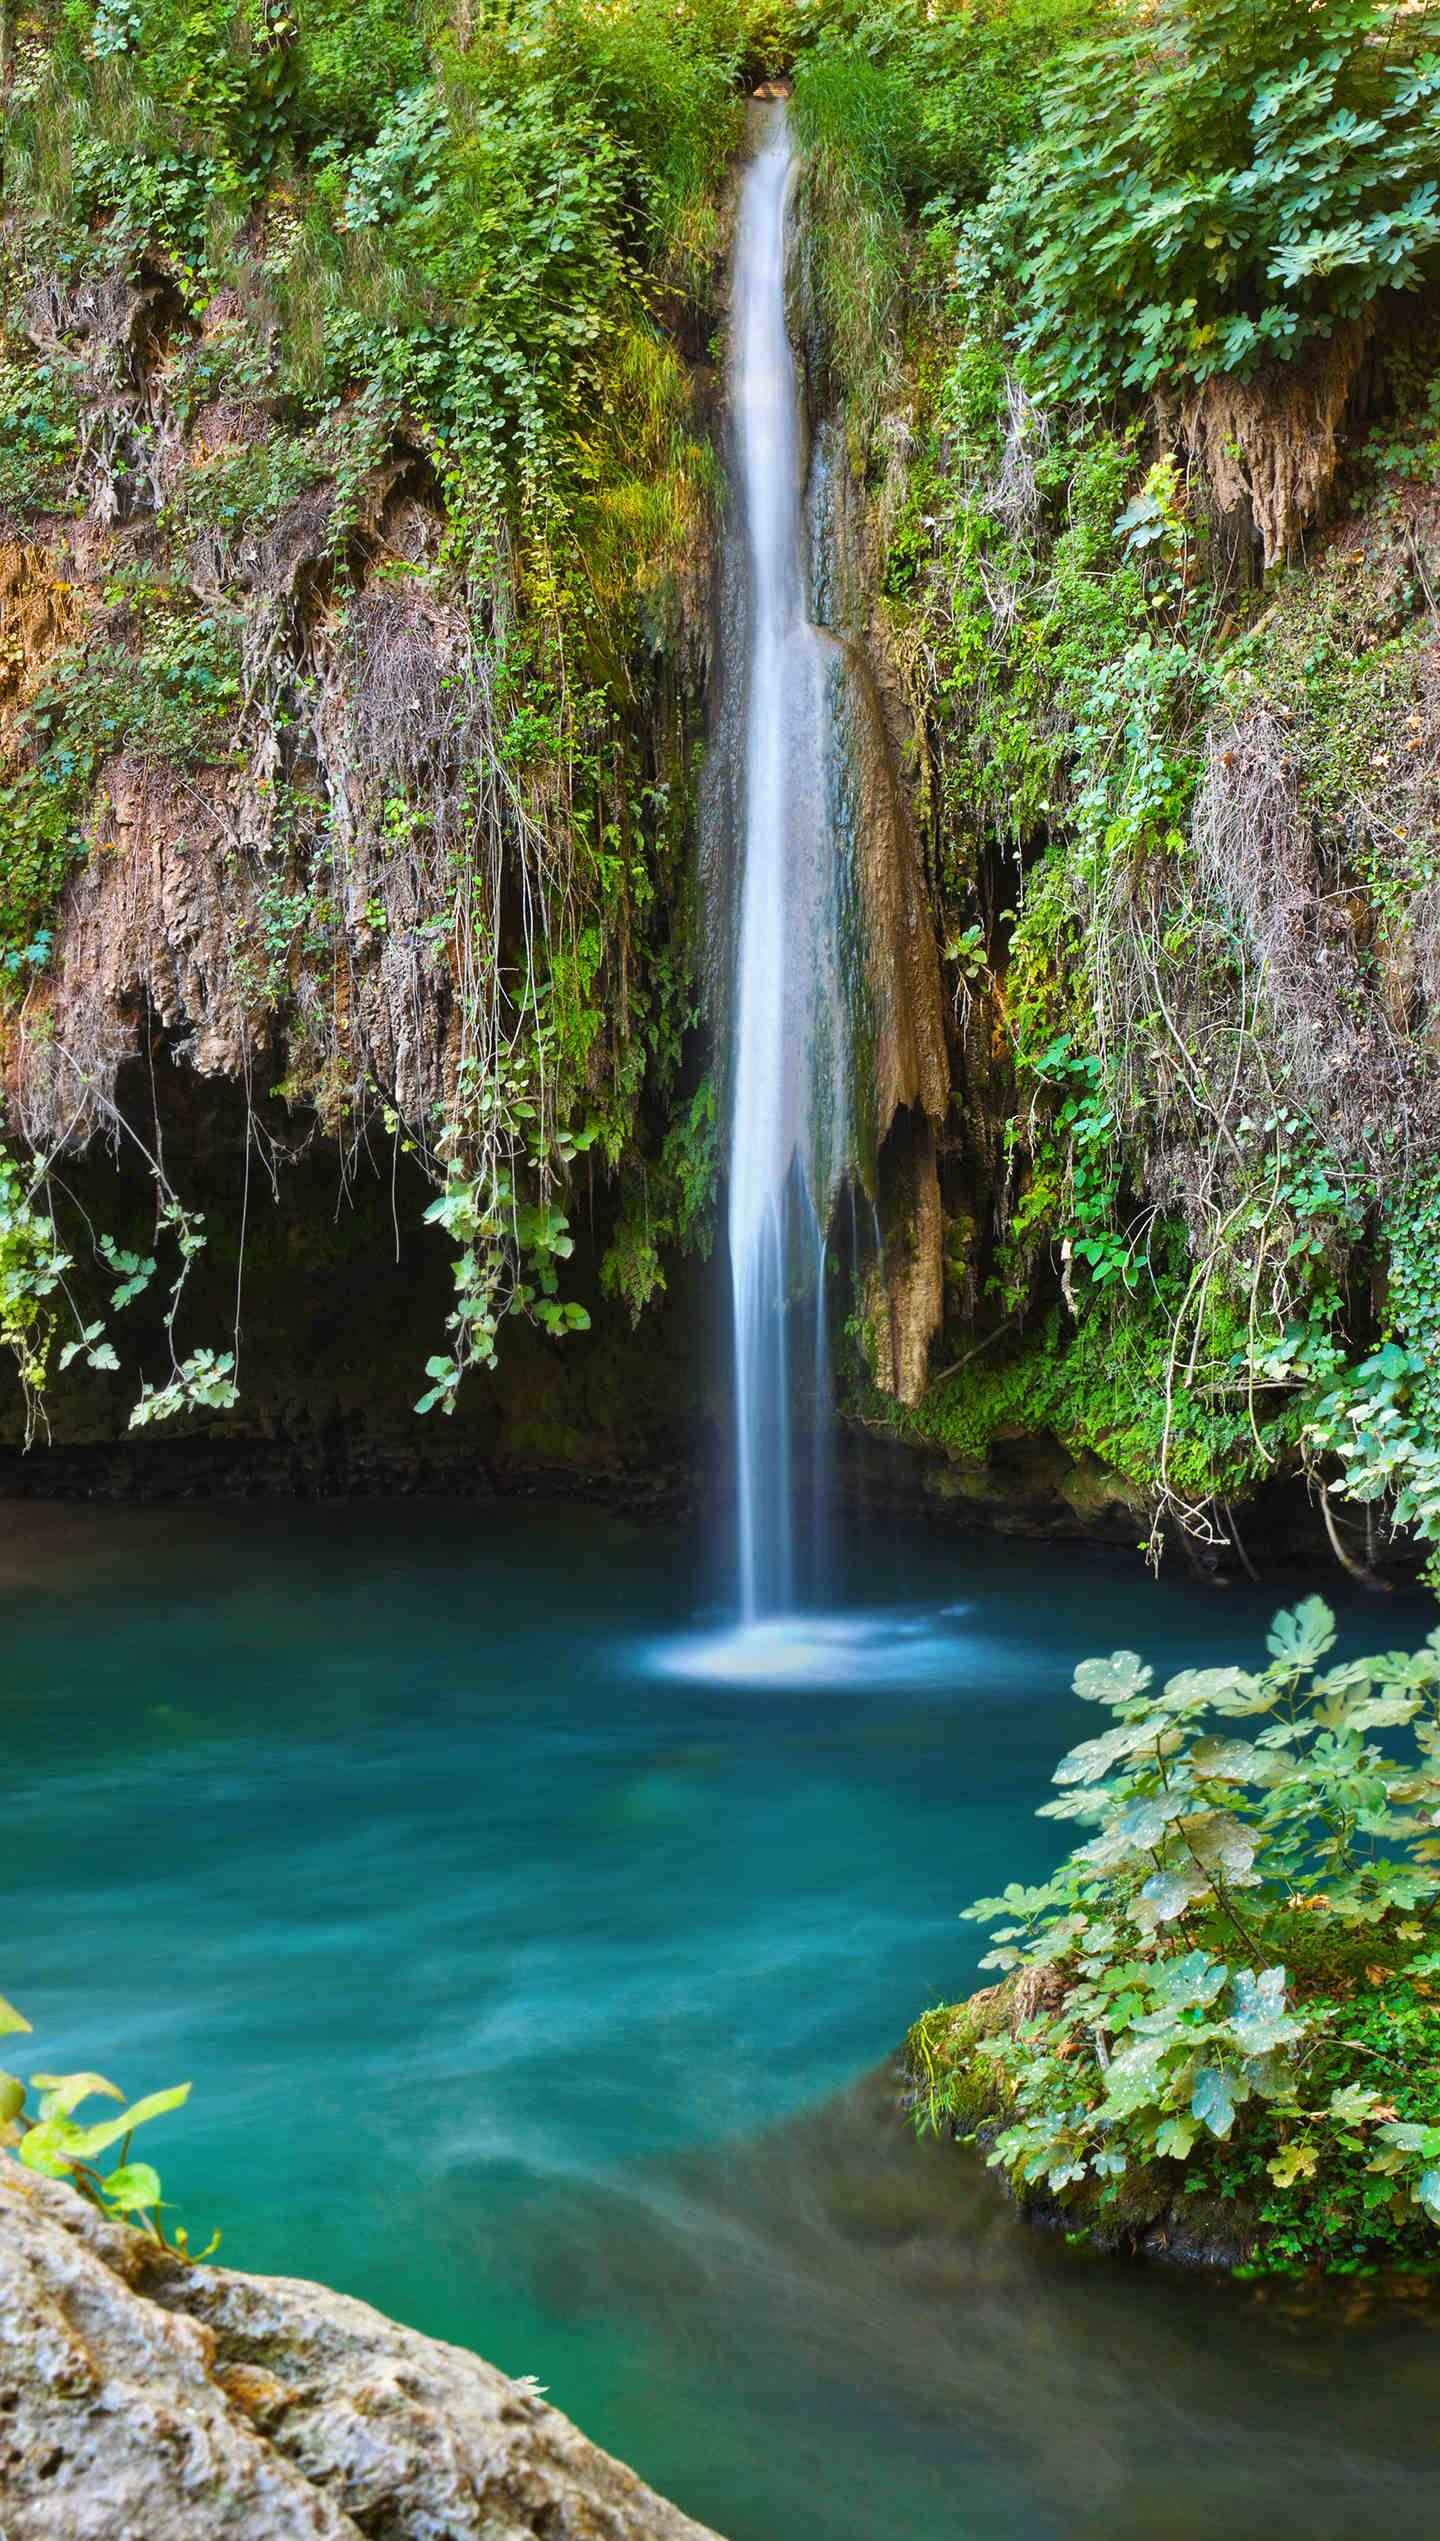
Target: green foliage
385 234
454 218
472 259
39 427
1262 1846
927 103
1051 585
502 216
37 1299
351 58
51 2139
1221 183
1207 1208
510 1247
1083 1129
1047 581
32 1265
1382 1420
1104 1384
906 112
666 1205
202 1382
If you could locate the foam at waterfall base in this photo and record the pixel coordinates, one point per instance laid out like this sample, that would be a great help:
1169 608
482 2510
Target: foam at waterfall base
860 1651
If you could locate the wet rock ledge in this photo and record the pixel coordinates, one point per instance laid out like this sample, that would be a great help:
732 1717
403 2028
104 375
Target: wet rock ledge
141 2400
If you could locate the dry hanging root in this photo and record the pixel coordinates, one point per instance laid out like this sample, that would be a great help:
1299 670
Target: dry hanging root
1270 445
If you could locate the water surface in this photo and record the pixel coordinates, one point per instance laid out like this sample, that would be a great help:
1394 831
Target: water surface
525 1936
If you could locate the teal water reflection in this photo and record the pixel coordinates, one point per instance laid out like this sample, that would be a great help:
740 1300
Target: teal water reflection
523 1939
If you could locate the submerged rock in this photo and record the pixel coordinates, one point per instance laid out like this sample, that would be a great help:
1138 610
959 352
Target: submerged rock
143 2400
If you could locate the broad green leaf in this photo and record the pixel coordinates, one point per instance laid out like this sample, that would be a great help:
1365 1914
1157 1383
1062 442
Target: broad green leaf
1135 2079
1197 1689
1292 2162
1233 1760
1192 1980
1261 2021
1079 1805
1027 1903
1300 1637
1214 2097
1221 1843
1138 1829
1428 2192
132 2188
1272 2076
61 2140
1376 1711
1175 2137
40 2150
1112 1680
1095 1756
1353 2104
1408 2137
1167 1894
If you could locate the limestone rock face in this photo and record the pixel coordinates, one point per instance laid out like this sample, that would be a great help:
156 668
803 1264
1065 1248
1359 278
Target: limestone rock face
144 2401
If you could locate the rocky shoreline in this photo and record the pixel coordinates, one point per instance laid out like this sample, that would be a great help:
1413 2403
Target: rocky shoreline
143 2399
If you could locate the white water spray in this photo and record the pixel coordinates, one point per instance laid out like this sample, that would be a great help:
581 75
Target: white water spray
788 1134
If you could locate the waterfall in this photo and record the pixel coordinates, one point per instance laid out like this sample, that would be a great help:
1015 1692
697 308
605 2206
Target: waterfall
789 1009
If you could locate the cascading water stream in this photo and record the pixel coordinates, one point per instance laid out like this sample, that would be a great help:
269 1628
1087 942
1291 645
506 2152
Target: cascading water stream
789 1074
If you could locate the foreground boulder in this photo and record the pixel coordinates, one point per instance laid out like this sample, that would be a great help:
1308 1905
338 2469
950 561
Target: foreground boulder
141 2400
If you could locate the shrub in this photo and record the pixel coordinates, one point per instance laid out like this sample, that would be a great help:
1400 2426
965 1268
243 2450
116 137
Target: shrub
1225 182
1198 1969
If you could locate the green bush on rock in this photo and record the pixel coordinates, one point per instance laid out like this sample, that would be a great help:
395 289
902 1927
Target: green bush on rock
1227 1991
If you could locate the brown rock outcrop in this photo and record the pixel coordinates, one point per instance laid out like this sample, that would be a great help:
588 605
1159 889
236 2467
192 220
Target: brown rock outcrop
906 1066
39 612
1269 447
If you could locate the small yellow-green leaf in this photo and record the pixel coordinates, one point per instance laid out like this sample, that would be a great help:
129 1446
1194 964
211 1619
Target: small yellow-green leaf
132 2188
65 2091
40 2149
86 2141
10 2019
1292 2162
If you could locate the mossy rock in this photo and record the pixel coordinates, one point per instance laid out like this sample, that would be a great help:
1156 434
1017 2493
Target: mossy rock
1151 2211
